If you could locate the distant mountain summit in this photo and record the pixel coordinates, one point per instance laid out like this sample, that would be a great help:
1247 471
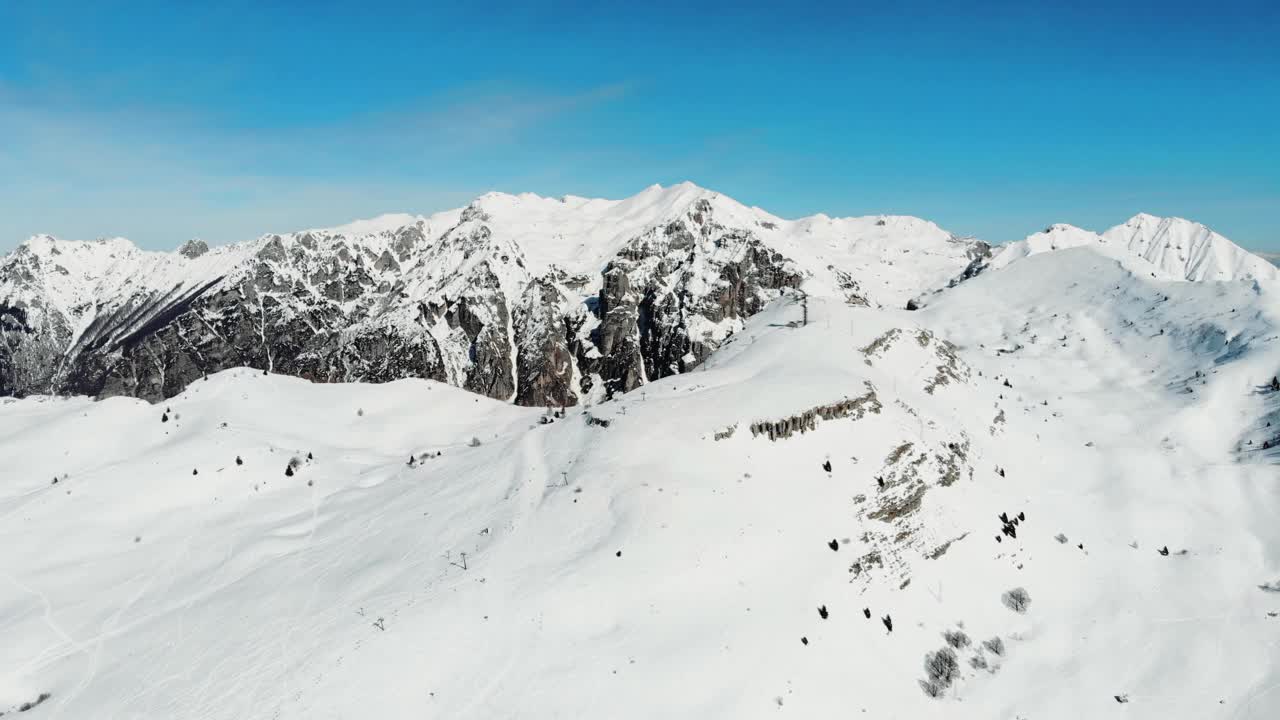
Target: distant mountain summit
1173 247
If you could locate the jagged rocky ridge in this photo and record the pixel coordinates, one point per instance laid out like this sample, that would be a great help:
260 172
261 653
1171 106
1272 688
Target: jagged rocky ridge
538 301
534 300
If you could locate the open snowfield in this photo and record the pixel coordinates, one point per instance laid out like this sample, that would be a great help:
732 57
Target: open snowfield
635 559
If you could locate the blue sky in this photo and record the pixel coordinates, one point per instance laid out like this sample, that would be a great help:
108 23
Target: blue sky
160 122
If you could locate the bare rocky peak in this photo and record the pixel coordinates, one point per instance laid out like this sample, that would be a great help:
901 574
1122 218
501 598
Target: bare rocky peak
193 248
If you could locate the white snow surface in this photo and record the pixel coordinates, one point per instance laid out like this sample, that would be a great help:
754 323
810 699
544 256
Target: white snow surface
646 569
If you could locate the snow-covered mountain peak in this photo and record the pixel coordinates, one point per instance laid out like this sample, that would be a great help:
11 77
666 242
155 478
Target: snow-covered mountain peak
45 244
1166 248
580 235
67 271
1147 218
1069 237
386 223
1189 249
38 242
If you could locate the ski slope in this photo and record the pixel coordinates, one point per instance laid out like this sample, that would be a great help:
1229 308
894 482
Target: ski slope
624 562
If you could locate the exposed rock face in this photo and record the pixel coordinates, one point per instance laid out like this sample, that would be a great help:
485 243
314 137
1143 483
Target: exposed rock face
854 408
193 248
509 297
29 348
675 293
618 338
545 346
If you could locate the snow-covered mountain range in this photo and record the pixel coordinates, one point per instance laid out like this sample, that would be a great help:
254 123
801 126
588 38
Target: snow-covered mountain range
534 300
816 468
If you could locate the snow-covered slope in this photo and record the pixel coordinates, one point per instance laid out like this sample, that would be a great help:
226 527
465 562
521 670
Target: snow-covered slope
708 545
1050 492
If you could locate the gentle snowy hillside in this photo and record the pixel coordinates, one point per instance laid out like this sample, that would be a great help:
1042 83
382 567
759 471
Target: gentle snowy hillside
706 545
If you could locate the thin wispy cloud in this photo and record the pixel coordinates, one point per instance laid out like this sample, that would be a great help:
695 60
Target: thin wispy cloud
1056 115
155 173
